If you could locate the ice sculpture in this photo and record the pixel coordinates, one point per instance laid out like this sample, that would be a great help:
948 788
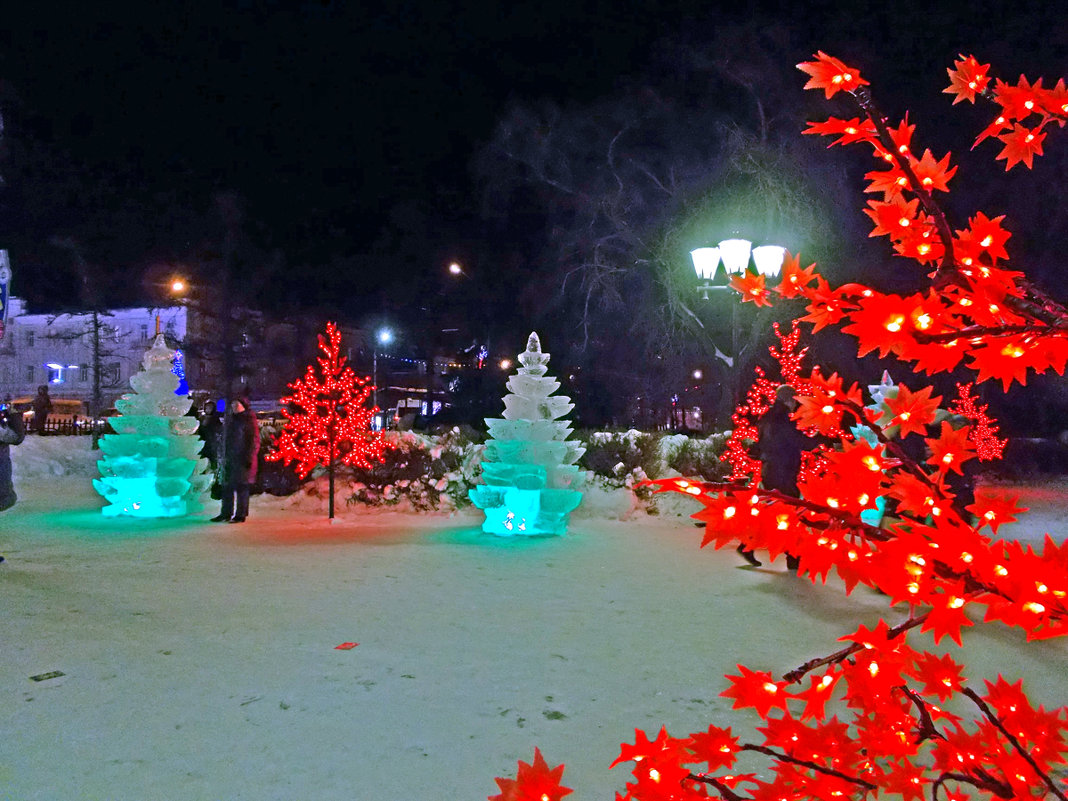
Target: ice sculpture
532 483
151 466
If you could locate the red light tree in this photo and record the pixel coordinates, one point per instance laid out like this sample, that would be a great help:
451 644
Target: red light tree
872 717
334 422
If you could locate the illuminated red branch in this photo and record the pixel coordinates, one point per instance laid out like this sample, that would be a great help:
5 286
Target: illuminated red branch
994 331
1023 752
864 100
783 757
801 671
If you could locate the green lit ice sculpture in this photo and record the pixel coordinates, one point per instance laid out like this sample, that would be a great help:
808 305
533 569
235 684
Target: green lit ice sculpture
532 483
151 466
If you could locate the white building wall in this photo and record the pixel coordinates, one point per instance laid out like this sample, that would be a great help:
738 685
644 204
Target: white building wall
57 350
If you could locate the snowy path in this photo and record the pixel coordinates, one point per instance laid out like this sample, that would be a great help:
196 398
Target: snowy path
200 659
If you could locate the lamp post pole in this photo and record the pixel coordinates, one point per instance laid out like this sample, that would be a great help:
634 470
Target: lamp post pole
735 255
383 337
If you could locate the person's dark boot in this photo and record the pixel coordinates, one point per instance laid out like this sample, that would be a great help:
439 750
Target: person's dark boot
219 518
792 563
747 555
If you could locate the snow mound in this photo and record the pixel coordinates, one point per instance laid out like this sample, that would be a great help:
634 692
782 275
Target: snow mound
51 456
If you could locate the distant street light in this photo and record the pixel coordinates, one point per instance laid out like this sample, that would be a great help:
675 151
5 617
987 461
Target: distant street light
506 364
178 286
456 269
382 337
735 255
698 375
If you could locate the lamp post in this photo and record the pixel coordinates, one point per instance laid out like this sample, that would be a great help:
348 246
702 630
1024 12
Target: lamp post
382 337
735 255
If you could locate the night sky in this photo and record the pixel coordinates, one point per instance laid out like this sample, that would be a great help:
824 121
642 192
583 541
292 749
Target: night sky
338 123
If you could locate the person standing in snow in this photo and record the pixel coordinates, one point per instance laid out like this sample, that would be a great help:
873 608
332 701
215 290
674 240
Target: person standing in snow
238 462
779 446
42 406
12 432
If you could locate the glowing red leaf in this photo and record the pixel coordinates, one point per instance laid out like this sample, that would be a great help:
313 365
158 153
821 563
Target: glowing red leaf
533 782
830 75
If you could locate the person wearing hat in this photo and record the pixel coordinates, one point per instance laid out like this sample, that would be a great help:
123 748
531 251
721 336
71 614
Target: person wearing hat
238 460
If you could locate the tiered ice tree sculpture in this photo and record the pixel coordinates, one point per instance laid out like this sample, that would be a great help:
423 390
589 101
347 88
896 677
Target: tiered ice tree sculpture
532 483
150 466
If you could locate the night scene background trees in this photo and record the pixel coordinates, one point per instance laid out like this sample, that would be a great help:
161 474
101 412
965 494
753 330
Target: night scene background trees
569 156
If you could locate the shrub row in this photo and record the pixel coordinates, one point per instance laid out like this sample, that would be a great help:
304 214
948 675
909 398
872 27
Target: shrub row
434 473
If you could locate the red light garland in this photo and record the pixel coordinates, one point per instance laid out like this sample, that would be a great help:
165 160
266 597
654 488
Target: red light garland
328 421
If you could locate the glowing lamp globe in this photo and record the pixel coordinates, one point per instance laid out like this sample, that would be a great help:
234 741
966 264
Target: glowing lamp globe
705 262
768 259
735 255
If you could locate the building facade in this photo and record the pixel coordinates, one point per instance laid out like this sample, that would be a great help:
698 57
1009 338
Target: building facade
64 351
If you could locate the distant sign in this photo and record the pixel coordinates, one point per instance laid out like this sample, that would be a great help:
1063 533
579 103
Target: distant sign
5 282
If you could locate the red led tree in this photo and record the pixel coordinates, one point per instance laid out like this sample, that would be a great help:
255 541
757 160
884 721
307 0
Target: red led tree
872 718
329 421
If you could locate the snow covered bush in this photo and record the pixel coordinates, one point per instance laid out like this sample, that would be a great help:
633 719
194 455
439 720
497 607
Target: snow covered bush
420 473
621 459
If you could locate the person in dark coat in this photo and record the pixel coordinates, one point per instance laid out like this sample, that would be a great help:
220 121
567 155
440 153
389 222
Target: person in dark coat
12 432
779 447
42 406
239 458
211 433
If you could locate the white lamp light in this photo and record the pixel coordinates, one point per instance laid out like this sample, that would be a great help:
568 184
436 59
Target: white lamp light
705 262
735 255
769 259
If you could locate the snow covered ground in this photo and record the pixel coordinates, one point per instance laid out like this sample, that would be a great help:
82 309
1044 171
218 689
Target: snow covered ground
199 659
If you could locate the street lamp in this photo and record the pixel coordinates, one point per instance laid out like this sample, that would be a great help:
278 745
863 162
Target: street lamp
455 269
382 337
735 255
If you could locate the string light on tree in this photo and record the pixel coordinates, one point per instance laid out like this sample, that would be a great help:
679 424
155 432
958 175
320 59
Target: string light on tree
328 421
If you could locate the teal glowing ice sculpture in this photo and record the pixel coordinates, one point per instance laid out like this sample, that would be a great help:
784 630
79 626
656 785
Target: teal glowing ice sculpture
151 466
532 483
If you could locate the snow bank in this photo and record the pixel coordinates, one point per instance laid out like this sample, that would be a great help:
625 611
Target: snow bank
44 457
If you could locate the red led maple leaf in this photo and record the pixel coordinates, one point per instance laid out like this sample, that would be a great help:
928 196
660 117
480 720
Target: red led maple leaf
1021 145
794 276
1006 360
909 412
893 217
1019 101
533 782
950 449
970 78
830 75
756 689
847 131
643 747
752 289
941 676
716 747
947 616
987 235
933 175
826 305
881 321
995 512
